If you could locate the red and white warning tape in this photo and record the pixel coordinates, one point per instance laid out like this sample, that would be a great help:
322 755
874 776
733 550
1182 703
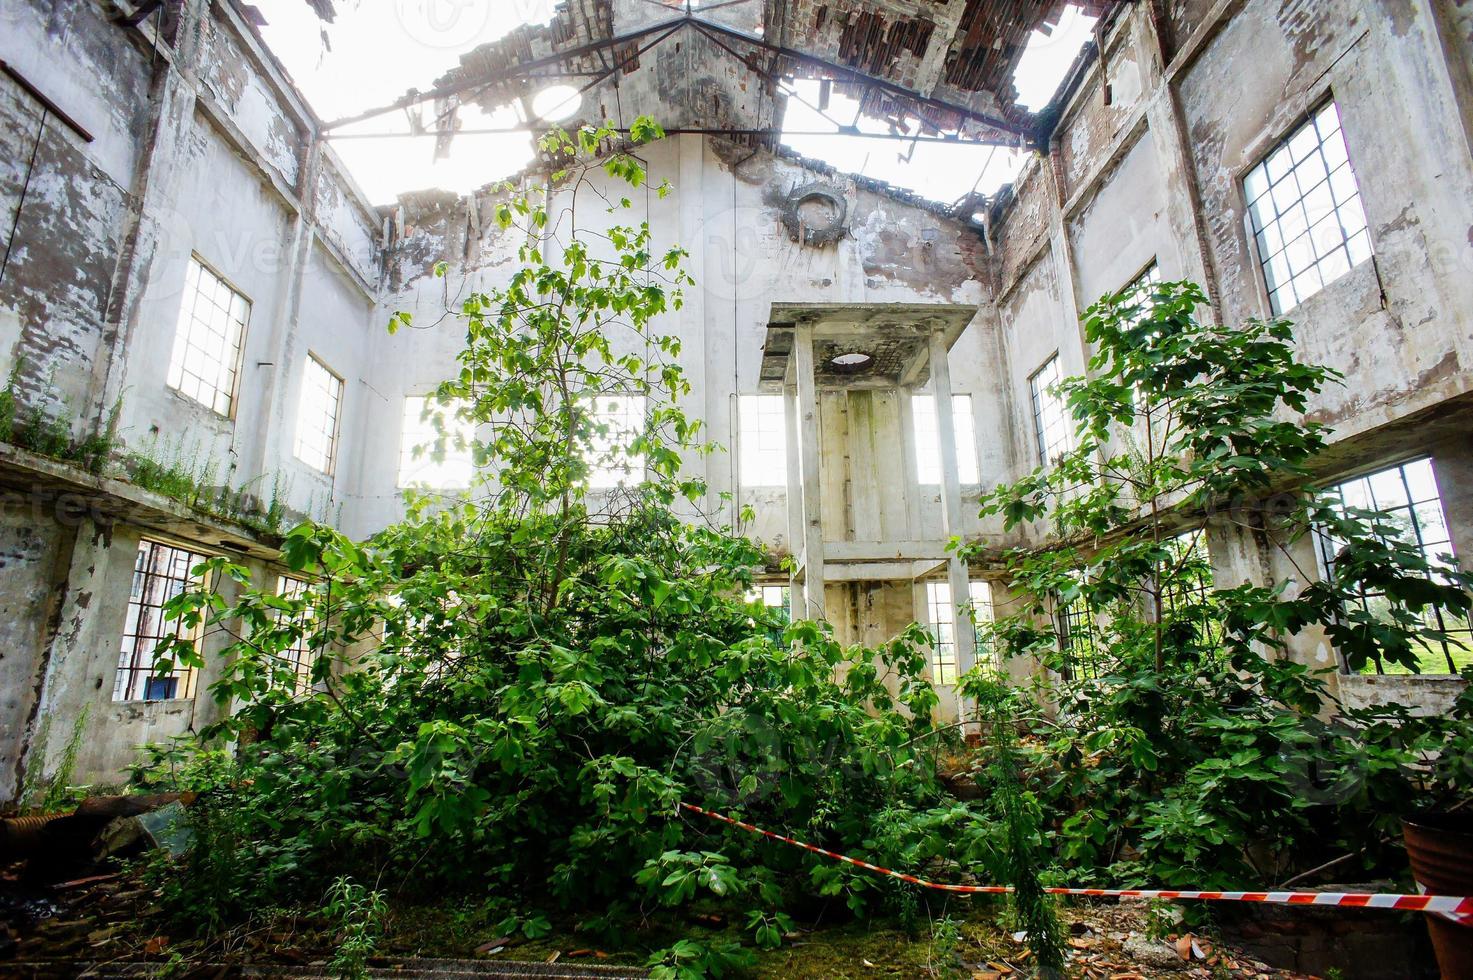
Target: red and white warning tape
1455 907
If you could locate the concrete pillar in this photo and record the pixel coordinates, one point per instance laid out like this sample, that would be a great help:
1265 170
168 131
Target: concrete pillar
1452 465
951 503
794 497
808 449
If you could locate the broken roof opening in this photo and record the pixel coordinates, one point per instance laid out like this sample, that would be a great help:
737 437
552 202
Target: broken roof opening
939 100
942 167
1050 53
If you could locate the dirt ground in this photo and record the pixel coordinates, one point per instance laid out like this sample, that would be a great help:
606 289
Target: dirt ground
96 926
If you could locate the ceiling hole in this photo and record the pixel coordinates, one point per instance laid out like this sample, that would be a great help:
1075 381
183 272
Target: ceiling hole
853 361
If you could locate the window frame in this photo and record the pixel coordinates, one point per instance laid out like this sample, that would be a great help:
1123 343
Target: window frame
1079 661
1036 394
406 450
136 664
178 349
631 470
1325 562
966 476
756 399
300 654
941 617
980 600
337 421
1267 148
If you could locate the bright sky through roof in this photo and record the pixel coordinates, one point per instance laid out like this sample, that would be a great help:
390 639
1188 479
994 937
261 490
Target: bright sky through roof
1047 58
940 171
382 48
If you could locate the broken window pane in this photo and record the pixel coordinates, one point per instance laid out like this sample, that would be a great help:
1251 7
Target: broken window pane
1412 508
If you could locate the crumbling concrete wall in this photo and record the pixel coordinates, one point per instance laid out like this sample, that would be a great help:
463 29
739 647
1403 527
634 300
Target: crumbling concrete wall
32 543
200 148
1196 100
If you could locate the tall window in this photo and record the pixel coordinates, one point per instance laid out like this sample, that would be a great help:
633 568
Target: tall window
207 342
621 419
160 572
1050 420
317 416
980 594
764 441
928 439
299 655
942 617
1142 293
1306 211
425 458
1408 497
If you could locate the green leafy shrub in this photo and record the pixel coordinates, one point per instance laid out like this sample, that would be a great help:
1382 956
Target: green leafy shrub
1178 743
512 689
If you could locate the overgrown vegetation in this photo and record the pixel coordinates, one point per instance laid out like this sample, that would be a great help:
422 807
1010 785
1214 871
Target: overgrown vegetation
1187 748
54 793
49 433
513 690
541 672
193 478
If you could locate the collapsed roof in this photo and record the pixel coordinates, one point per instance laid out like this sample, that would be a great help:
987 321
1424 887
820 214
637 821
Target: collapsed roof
925 69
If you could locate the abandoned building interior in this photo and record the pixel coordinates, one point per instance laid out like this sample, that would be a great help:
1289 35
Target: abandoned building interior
193 269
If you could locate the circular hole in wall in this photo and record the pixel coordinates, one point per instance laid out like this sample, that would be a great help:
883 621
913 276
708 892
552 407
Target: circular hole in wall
557 102
851 362
819 212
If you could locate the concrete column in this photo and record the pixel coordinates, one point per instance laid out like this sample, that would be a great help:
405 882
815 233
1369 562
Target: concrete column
1452 465
808 449
794 496
951 502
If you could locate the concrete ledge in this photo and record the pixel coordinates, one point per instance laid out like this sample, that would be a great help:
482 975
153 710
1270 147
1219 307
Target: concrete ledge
65 493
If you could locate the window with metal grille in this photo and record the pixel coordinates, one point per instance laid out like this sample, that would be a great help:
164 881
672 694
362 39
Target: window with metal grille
619 420
299 656
942 617
764 441
1189 592
1050 419
205 364
1408 497
1078 640
1305 207
317 416
928 439
424 458
160 572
